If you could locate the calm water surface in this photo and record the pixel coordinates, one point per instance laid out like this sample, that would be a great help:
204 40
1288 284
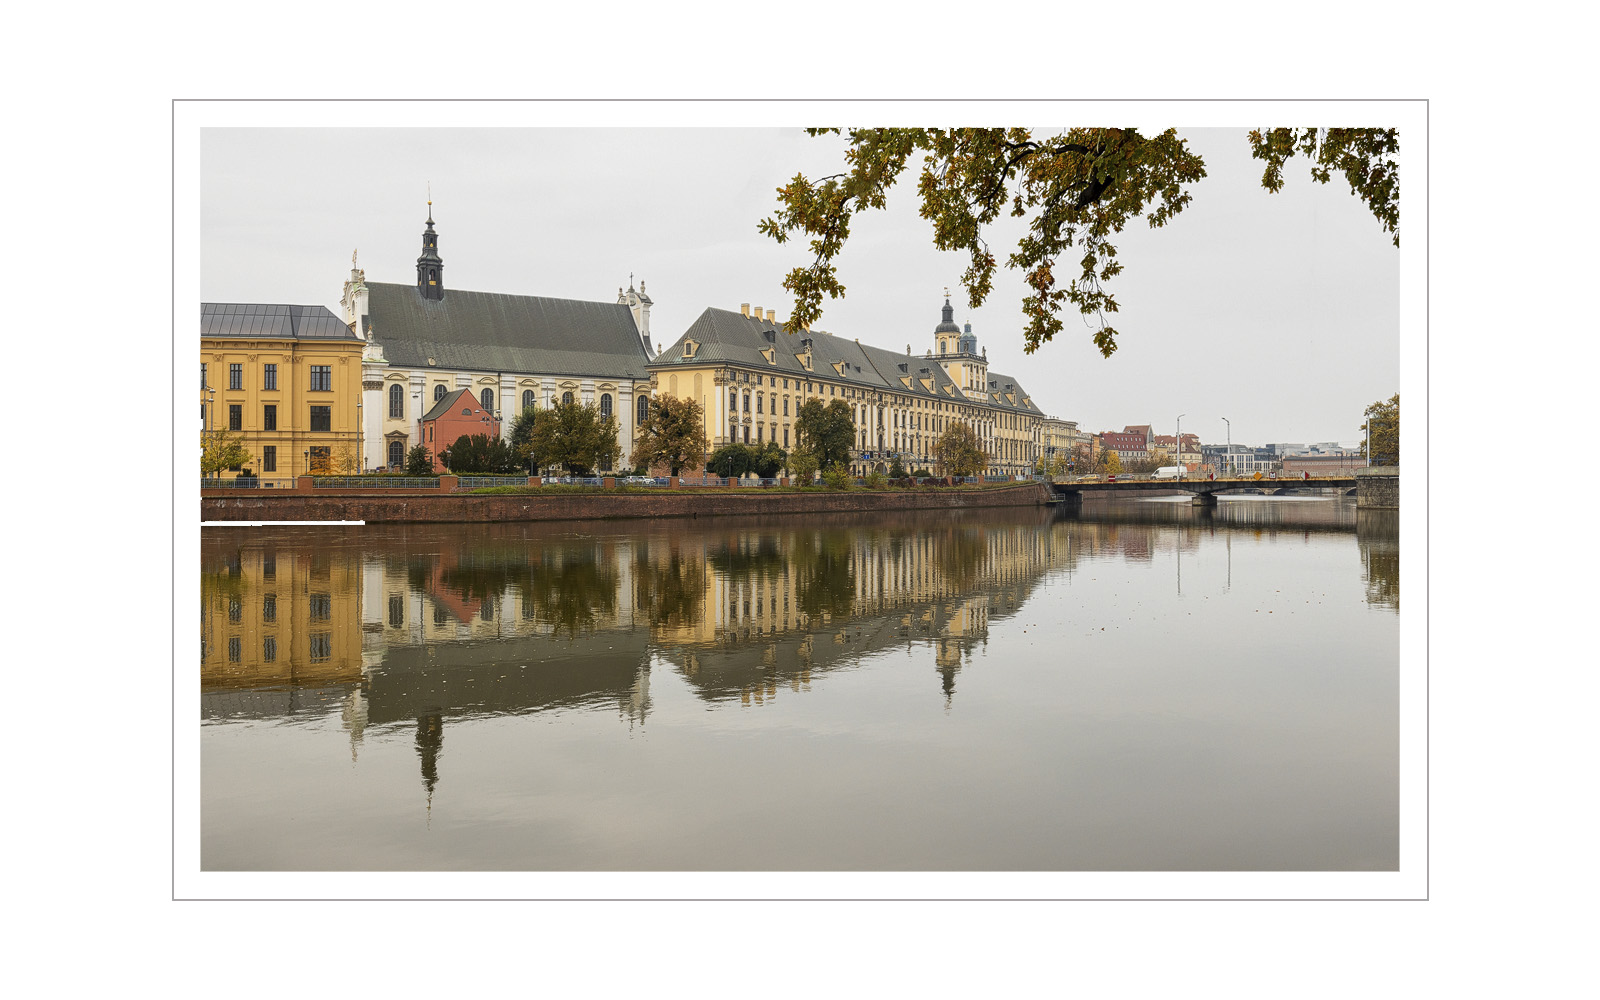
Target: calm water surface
1139 686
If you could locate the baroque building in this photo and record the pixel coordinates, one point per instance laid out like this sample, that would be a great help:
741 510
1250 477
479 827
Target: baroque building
425 340
285 380
750 379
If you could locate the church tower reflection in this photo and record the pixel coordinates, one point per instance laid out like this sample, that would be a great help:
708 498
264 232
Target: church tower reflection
430 740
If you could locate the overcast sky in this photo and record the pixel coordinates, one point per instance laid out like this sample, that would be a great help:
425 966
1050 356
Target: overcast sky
1279 312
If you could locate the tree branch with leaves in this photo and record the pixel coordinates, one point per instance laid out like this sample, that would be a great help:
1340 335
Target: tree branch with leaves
1078 188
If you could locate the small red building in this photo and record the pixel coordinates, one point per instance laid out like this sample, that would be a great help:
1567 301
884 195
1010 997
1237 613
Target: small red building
456 415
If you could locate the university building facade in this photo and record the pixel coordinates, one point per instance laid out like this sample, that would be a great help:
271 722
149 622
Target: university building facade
751 378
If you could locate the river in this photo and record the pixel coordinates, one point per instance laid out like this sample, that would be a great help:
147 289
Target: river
1140 685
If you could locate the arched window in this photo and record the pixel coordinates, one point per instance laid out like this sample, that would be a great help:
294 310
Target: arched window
605 405
644 408
397 401
527 399
566 397
438 392
487 398
397 451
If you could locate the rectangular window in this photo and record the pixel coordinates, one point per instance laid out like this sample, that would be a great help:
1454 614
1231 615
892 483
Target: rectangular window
235 649
321 607
322 418
758 403
321 646
236 376
269 565
202 374
269 417
235 609
269 458
321 378
235 417
269 649
397 611
269 608
786 437
269 376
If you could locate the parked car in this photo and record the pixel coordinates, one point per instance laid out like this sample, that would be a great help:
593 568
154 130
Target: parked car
1168 472
639 481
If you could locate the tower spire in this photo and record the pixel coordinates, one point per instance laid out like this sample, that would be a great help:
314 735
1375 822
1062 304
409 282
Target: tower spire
430 268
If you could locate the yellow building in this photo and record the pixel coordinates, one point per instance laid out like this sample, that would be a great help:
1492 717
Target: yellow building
286 381
266 620
750 379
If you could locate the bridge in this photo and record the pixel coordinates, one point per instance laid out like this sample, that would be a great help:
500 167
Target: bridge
1205 491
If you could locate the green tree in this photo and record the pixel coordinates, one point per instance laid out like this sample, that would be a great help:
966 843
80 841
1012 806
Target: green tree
479 453
731 461
571 435
828 432
838 476
1382 430
418 461
1078 188
767 460
673 434
957 452
897 470
220 450
802 467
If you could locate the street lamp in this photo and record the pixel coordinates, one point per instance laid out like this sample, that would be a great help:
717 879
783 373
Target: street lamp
1230 444
1180 445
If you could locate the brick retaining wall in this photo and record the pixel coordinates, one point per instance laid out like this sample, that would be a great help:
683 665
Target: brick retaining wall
347 505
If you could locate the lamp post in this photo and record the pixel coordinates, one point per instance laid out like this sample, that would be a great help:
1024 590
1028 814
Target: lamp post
1180 445
1230 444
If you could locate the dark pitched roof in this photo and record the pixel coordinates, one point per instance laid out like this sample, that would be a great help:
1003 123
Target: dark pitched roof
493 331
723 335
998 393
446 402
244 319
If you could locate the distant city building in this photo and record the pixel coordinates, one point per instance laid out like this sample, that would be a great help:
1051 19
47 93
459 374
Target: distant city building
1132 445
286 381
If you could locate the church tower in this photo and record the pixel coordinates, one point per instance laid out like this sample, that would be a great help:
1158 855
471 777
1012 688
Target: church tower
430 269
946 333
958 354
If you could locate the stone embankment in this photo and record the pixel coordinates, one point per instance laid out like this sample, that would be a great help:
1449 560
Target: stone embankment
352 505
1378 487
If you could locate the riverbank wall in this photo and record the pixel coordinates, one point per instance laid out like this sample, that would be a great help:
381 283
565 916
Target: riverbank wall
468 508
1378 487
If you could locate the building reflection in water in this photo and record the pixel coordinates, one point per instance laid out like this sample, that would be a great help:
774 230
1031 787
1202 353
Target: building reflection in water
399 625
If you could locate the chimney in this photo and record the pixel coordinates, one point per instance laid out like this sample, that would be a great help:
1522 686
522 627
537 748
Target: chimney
755 311
772 315
744 308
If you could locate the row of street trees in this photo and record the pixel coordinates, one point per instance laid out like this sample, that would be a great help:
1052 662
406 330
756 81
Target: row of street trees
575 437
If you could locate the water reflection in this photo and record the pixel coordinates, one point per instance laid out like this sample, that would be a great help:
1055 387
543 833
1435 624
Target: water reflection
420 626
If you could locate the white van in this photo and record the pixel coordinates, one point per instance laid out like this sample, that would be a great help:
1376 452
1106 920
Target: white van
1168 472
